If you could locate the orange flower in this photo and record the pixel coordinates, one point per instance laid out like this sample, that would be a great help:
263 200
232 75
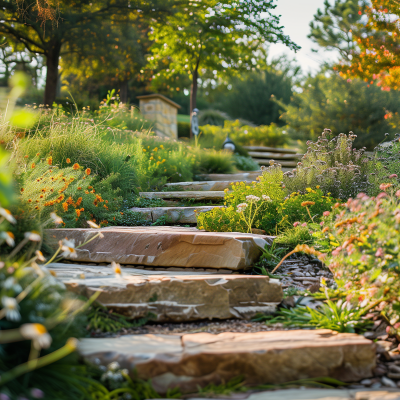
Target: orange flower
37 154
65 206
26 156
90 187
87 171
79 188
78 213
307 203
50 160
33 165
22 190
79 201
86 191
121 213
76 166
30 201
68 161
70 200
41 196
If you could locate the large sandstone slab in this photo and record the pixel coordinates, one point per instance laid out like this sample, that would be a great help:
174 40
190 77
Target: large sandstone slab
173 296
206 185
188 194
291 164
270 149
182 215
199 359
327 394
274 156
163 246
241 176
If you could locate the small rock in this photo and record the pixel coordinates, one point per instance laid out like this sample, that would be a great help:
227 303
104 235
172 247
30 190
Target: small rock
398 384
383 345
366 382
388 382
393 375
376 385
379 371
394 368
306 283
369 335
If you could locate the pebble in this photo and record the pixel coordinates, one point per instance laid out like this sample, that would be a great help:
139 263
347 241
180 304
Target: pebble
366 382
388 382
376 385
393 375
394 368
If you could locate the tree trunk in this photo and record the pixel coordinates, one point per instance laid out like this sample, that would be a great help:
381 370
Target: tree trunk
193 97
123 91
52 61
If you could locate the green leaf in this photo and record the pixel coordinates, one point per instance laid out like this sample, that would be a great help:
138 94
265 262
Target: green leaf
23 118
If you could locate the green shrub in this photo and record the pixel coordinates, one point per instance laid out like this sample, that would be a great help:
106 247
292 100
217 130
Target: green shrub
213 162
245 135
244 163
183 129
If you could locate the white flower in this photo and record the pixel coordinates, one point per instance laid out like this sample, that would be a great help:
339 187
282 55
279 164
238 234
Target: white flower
117 269
7 215
12 283
38 334
252 198
93 225
11 308
266 198
56 219
68 248
8 237
34 236
39 256
241 207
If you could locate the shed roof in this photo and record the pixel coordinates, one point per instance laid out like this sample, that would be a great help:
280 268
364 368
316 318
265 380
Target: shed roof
159 96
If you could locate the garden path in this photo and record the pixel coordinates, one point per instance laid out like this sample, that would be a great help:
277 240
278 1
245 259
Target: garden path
185 277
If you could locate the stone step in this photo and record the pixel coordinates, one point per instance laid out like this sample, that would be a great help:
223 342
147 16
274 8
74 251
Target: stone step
164 246
182 215
189 194
283 163
191 360
327 394
206 185
173 296
242 176
270 149
274 156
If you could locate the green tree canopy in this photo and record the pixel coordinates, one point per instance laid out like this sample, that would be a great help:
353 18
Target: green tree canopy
211 35
252 95
44 30
333 27
343 106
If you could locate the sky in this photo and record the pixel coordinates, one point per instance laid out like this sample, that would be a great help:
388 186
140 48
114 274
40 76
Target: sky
296 16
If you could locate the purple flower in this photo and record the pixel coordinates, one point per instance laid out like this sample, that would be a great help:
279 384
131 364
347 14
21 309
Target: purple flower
4 397
37 393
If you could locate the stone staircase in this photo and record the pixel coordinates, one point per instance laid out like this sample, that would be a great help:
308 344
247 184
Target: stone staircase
180 274
263 155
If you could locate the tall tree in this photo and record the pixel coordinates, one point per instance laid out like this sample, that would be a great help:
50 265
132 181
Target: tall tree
252 95
45 26
112 54
333 27
212 35
377 57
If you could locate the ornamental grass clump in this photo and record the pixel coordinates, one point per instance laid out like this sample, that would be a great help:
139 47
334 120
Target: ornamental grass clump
362 245
332 164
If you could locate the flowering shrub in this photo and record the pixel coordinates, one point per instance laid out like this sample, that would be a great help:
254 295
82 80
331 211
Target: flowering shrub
334 165
308 207
70 192
262 205
362 245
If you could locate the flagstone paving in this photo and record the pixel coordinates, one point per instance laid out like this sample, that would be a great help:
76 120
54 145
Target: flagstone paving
161 246
173 296
189 361
176 215
206 185
188 194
